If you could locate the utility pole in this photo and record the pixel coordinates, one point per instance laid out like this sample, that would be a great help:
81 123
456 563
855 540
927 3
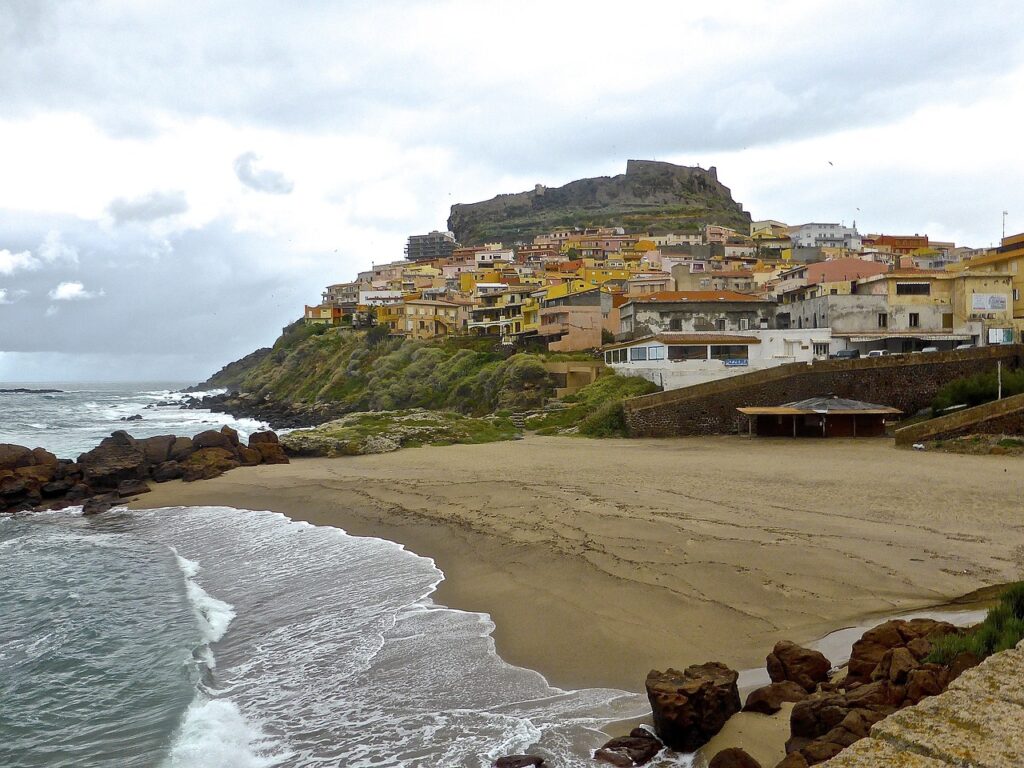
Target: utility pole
999 375
1005 214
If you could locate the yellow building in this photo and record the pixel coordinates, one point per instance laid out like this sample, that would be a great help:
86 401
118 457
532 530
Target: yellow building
323 314
426 319
1007 260
391 315
510 313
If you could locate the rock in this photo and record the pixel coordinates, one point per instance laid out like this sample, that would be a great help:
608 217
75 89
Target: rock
56 488
961 663
37 473
132 488
212 439
272 453
639 748
733 757
230 434
895 665
207 463
768 699
262 437
44 458
872 646
14 456
692 706
116 458
181 449
157 449
168 470
793 760
99 504
925 681
249 457
806 668
78 492
136 417
519 761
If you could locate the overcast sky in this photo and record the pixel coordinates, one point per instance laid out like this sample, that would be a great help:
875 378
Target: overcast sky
178 178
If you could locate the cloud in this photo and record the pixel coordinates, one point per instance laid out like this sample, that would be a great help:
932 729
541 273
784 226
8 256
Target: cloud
52 310
156 205
8 296
73 291
13 262
261 179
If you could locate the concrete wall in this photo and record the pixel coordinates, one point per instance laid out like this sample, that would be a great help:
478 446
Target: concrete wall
905 382
1002 417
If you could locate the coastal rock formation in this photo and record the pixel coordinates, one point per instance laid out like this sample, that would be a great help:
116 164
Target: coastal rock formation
639 748
806 668
519 761
914 635
651 195
733 757
769 698
120 466
690 707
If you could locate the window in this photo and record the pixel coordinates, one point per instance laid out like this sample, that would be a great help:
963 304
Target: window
655 353
821 350
637 353
622 355
913 289
744 324
720 323
883 320
915 320
675 324
729 352
608 356
687 353
1016 294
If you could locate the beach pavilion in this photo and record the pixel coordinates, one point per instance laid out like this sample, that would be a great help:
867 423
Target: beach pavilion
819 417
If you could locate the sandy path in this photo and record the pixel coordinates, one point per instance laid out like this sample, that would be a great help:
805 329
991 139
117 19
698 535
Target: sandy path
601 559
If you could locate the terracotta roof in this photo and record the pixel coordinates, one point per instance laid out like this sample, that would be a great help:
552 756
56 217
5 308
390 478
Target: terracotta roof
678 296
843 269
820 405
688 339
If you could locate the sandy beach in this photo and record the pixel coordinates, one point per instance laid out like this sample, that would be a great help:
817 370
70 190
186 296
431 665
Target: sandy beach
599 560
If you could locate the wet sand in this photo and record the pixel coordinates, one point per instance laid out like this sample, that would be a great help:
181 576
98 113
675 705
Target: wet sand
599 560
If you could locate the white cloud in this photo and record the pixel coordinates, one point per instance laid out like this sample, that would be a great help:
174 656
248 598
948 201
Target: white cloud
54 250
151 207
8 296
13 262
73 291
52 310
261 179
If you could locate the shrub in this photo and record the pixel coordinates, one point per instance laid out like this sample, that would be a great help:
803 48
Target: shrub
978 389
1001 630
597 408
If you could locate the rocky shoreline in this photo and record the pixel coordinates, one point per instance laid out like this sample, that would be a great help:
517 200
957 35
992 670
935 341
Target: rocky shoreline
120 466
278 414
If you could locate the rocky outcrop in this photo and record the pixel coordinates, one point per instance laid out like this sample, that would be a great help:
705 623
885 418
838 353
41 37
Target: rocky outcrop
914 635
803 666
121 466
279 413
653 196
733 757
519 761
769 698
690 707
639 748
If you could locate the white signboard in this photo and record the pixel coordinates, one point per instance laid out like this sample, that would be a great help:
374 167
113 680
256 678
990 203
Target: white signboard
989 302
1000 335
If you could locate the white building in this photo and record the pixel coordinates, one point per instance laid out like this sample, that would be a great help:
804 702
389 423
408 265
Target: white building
817 235
379 298
675 360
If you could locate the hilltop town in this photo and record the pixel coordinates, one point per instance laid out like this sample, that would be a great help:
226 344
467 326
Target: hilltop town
701 303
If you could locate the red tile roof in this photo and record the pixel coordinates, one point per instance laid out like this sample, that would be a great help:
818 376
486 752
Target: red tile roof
677 296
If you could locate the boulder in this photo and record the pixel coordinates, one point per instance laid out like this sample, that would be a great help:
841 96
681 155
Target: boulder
181 449
769 699
157 449
116 458
690 707
806 668
733 757
262 437
44 458
132 488
873 644
793 760
14 456
271 453
895 665
230 434
56 488
519 761
207 463
211 438
639 748
99 504
169 470
249 457
37 473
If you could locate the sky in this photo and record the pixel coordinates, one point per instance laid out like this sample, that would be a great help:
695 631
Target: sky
177 179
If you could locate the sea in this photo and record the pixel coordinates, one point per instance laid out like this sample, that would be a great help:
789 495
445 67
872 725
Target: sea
211 637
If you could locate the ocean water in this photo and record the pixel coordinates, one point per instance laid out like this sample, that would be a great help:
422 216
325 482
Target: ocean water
219 638
75 419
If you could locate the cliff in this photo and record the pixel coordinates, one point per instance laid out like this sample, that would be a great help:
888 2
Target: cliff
650 197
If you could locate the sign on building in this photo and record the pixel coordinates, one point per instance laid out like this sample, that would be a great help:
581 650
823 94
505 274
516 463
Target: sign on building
989 302
1000 335
736 362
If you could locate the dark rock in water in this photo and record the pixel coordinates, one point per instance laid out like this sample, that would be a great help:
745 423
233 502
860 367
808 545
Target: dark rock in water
519 761
806 668
23 391
169 470
116 458
181 449
207 463
211 438
639 748
56 488
99 504
136 417
78 492
43 457
769 699
733 757
132 488
690 707
14 456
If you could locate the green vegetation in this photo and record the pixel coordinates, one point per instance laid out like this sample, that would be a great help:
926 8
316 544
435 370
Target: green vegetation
384 431
596 410
978 389
1001 630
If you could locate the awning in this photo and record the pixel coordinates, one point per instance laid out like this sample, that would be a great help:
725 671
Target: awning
918 336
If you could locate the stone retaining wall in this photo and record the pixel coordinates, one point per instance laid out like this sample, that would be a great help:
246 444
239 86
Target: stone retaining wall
976 723
1002 417
907 382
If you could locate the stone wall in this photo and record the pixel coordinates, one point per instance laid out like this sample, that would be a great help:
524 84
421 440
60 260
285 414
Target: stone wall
1002 417
907 382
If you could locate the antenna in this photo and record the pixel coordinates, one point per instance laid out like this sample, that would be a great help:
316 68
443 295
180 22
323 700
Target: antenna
1005 214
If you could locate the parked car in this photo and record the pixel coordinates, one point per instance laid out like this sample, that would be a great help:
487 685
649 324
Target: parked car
929 349
877 353
965 346
845 354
